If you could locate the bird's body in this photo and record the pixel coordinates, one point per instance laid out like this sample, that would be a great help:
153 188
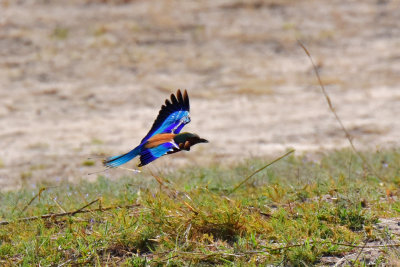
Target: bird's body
164 136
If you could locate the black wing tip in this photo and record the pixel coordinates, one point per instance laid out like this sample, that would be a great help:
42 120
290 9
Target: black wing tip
179 96
183 99
178 101
186 100
174 100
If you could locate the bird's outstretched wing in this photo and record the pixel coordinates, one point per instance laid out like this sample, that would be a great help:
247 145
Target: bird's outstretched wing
147 155
172 116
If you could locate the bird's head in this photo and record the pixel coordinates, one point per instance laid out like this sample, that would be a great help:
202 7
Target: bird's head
186 140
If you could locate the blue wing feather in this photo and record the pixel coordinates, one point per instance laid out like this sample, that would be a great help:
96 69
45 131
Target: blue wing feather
179 127
172 116
174 122
147 155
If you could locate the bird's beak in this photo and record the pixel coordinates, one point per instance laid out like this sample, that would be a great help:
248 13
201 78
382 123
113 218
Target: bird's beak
203 140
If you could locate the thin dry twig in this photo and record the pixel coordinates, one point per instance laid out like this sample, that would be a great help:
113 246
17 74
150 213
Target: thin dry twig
257 171
266 250
59 205
328 100
338 244
162 183
41 190
361 250
71 213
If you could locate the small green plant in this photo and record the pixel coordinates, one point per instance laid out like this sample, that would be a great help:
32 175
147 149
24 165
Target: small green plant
354 217
88 163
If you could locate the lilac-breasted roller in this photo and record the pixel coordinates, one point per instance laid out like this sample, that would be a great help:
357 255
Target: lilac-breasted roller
164 136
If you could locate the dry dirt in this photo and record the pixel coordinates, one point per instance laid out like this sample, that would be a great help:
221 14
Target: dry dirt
81 78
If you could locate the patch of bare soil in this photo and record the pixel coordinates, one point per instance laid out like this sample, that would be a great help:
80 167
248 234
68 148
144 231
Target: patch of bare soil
382 252
81 78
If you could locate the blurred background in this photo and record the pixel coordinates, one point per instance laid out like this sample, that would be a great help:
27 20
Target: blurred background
80 78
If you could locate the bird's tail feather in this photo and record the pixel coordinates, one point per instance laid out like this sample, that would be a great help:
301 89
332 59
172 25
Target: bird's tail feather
116 161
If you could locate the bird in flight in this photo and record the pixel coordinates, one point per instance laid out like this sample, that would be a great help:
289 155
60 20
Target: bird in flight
164 136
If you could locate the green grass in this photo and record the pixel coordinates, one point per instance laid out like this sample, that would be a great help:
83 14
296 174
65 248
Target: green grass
292 213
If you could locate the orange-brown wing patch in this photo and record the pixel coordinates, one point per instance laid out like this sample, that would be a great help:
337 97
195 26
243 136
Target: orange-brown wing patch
159 139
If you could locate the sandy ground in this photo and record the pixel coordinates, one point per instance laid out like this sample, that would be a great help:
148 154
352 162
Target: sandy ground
82 78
